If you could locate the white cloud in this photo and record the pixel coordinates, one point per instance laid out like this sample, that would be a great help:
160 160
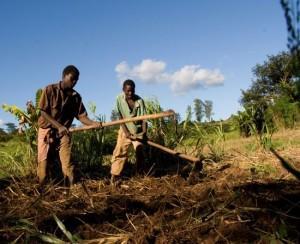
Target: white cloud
122 68
1 122
148 71
193 77
187 78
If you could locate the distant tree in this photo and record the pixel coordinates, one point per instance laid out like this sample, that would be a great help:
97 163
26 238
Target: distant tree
178 117
114 115
4 136
275 78
188 113
274 93
2 132
198 109
208 108
11 128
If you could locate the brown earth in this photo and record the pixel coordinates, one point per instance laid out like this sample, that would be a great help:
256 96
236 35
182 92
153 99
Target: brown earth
243 199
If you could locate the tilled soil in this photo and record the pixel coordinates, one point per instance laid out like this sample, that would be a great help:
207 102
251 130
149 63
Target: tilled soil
226 202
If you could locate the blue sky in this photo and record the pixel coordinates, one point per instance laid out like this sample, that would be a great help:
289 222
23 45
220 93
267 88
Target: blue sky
174 50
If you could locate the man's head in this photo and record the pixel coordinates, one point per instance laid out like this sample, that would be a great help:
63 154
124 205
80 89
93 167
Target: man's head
70 76
129 88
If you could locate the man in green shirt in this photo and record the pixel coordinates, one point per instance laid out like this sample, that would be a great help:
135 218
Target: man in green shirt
129 105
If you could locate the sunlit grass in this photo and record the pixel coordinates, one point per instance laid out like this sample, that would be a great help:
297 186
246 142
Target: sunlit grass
16 158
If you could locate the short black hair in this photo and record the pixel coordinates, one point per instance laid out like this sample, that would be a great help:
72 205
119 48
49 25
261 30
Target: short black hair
128 83
70 69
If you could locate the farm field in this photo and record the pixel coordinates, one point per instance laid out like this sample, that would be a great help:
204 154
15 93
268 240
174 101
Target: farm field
246 197
200 100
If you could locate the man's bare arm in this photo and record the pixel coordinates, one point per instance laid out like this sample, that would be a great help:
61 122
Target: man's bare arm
87 121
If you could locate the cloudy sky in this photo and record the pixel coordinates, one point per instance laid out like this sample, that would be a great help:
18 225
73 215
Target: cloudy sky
174 50
181 81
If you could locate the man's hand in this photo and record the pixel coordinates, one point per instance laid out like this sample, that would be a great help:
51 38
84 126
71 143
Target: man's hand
130 136
133 137
97 124
62 131
127 135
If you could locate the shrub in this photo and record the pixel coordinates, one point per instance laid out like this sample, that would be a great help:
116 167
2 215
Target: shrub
285 113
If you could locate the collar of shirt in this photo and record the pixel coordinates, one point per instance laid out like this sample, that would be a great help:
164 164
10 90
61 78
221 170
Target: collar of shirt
136 104
59 87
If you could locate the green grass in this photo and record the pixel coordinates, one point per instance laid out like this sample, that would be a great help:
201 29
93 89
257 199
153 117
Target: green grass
232 135
16 158
295 142
263 169
284 142
279 144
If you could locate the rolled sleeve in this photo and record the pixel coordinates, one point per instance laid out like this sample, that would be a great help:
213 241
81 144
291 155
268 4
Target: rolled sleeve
44 101
81 110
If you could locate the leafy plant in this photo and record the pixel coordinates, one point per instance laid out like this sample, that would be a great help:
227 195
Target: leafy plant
20 161
258 123
28 119
68 234
199 136
216 143
88 146
163 130
285 112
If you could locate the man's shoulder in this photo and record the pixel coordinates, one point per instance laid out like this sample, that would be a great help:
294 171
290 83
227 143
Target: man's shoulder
138 98
75 93
120 97
52 86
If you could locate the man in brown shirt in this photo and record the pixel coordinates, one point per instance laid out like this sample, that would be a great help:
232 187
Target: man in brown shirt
59 105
